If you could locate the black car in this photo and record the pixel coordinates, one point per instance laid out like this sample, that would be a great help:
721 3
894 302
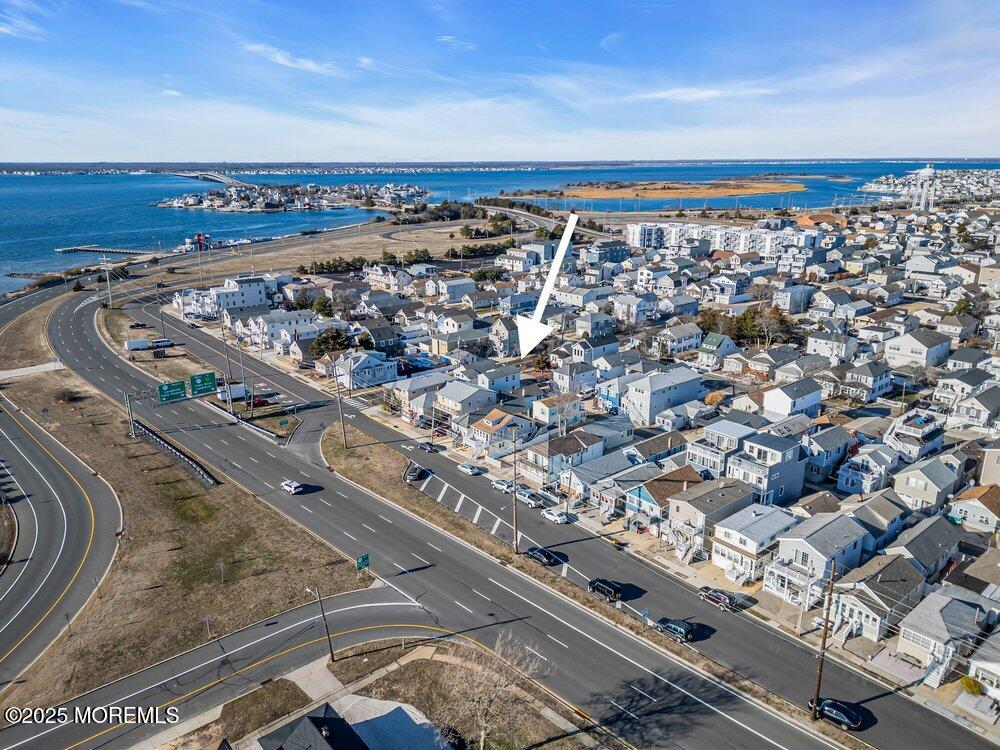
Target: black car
608 590
429 447
838 713
542 556
413 473
679 630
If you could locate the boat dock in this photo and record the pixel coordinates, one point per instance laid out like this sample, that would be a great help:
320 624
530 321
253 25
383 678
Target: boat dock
98 249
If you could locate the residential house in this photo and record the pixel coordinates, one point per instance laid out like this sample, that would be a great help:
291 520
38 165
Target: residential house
978 508
774 466
979 411
710 453
575 377
744 543
836 347
925 485
457 398
649 498
560 410
882 514
677 339
871 600
823 546
929 545
359 368
542 463
694 512
589 349
915 434
648 396
715 347
825 451
799 397
503 337
868 470
957 327
921 349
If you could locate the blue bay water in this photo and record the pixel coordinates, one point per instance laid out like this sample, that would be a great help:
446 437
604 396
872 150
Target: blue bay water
41 213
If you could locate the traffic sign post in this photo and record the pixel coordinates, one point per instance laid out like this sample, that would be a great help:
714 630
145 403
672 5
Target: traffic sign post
203 384
173 391
362 561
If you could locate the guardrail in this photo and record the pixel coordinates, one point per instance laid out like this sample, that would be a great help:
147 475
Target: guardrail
194 468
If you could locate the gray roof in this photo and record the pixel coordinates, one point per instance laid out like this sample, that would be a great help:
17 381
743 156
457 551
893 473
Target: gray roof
949 614
928 540
878 512
934 470
971 377
800 388
928 338
714 495
759 522
888 580
990 398
828 533
831 438
601 467
968 356
771 442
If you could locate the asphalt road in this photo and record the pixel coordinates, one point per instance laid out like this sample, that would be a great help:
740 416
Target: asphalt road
645 695
66 521
740 642
227 667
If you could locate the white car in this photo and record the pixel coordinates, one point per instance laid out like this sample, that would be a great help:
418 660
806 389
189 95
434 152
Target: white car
471 469
504 485
556 516
529 497
291 487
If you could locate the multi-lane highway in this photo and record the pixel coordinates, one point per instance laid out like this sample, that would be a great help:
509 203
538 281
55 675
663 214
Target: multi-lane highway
66 522
779 662
645 695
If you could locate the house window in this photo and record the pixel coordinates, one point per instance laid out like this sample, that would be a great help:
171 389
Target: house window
802 558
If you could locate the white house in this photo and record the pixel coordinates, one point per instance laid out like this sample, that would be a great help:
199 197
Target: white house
799 397
744 543
648 396
921 348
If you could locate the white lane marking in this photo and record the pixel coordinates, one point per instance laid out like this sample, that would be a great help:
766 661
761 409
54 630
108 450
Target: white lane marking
399 566
407 447
622 708
305 508
340 493
529 648
242 438
350 535
215 660
444 489
425 562
270 454
496 525
369 528
437 548
223 441
724 714
174 411
479 593
551 637
643 693
384 518
425 482
326 503
253 459
236 465
461 499
479 510
269 485
463 607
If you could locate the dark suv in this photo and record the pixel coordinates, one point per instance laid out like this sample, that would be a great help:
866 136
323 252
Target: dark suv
608 590
721 599
680 630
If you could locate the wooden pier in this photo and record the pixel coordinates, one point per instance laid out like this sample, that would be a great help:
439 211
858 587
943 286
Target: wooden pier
98 249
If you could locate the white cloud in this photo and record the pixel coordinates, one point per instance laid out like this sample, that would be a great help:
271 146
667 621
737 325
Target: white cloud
454 42
700 93
288 60
17 19
171 92
608 42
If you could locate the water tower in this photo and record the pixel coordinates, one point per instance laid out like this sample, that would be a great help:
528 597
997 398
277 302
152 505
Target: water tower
923 194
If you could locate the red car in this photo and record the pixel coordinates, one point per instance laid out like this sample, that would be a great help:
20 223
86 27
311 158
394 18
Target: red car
719 598
258 402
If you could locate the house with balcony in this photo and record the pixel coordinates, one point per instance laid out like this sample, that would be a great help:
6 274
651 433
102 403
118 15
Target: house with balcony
823 546
457 398
915 434
866 382
926 485
673 340
977 508
543 462
794 299
644 490
965 358
774 466
977 412
957 327
869 601
836 347
960 384
360 368
868 470
921 348
575 377
745 543
710 453
498 432
648 396
825 451
694 512
883 514
714 348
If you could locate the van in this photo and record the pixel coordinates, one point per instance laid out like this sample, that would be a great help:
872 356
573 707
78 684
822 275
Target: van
161 343
607 590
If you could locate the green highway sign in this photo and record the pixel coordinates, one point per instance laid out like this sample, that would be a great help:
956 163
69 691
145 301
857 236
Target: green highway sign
203 384
172 391
362 561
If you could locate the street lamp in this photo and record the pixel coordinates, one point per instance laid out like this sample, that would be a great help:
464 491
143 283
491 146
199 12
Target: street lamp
326 627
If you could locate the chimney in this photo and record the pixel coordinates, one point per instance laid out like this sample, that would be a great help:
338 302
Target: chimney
685 485
325 731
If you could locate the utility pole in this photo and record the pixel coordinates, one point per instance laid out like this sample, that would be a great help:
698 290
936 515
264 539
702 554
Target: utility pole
159 305
340 404
326 625
822 644
229 369
128 412
107 275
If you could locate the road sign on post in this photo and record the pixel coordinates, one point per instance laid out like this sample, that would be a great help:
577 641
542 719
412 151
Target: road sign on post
362 561
203 384
172 391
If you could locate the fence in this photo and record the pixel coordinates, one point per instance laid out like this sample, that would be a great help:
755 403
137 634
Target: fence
194 468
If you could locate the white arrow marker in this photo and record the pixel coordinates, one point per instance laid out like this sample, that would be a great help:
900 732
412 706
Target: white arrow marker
532 331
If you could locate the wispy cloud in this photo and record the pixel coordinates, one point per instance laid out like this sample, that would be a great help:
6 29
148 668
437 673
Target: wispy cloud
700 93
288 60
18 18
610 40
454 42
171 92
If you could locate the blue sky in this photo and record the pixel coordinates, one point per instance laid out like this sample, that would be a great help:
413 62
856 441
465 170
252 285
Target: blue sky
153 80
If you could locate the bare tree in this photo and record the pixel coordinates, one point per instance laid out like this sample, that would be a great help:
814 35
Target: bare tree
761 292
485 688
768 326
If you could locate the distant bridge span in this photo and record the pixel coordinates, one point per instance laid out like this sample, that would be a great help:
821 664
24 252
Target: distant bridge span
214 177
